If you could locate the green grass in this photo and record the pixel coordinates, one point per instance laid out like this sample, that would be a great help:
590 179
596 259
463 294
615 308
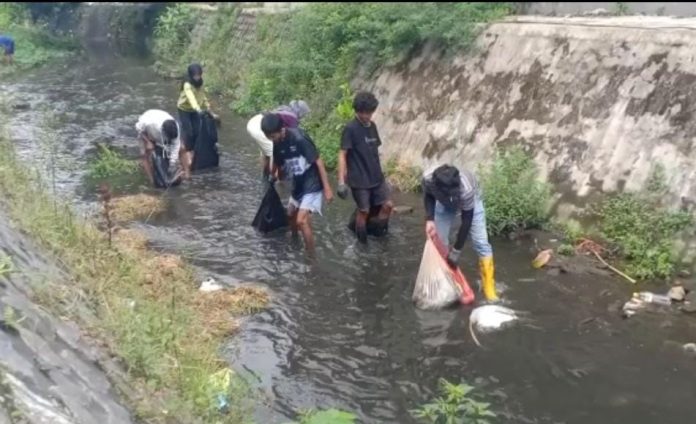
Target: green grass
457 404
146 312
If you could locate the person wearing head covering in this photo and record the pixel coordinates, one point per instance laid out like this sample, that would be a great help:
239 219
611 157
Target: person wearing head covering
8 45
359 166
448 191
296 156
159 136
192 104
290 115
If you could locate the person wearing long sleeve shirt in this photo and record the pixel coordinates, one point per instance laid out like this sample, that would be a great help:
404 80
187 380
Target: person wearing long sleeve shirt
193 102
446 192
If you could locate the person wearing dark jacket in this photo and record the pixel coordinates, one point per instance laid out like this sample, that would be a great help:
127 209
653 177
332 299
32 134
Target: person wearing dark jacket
359 166
447 192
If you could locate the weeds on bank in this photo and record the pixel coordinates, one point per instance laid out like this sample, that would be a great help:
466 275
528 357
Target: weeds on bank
146 306
641 230
513 196
310 53
403 176
457 404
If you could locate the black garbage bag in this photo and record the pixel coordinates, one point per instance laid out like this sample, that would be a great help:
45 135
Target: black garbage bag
205 150
374 226
165 176
271 214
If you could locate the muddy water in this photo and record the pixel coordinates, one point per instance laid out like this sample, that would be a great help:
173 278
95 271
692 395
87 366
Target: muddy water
341 331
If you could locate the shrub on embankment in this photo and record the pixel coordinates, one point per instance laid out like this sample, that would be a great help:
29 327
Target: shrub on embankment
35 44
313 52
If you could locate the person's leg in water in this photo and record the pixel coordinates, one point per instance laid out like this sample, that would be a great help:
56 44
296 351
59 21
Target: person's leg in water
293 209
304 224
380 197
310 203
443 222
479 238
362 201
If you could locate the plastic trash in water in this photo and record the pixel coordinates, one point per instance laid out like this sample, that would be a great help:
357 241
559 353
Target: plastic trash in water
219 385
648 297
491 317
210 285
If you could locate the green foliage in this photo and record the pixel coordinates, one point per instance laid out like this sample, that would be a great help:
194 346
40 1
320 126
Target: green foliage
513 196
642 230
326 130
322 44
329 416
109 164
6 265
621 8
566 249
34 43
173 33
456 405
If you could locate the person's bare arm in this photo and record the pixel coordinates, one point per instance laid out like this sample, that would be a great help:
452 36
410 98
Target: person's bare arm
328 194
342 166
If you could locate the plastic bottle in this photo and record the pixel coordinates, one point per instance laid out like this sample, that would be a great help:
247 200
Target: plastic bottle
660 299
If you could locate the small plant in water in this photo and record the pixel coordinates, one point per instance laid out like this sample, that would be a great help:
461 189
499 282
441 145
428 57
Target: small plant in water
329 416
455 406
110 164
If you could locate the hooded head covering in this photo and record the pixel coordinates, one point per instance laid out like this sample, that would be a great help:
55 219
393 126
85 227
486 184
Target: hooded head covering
300 108
446 185
194 69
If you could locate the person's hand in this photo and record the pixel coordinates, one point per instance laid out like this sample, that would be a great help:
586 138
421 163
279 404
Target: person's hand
342 191
328 194
430 228
453 257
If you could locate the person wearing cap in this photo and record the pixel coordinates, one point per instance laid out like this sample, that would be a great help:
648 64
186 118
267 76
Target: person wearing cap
448 191
290 115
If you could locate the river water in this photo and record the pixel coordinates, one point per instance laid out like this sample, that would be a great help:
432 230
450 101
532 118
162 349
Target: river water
341 330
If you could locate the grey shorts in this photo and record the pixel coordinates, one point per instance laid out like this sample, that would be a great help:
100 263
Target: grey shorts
310 201
366 198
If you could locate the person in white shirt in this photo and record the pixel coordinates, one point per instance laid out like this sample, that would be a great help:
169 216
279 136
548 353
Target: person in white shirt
160 147
290 115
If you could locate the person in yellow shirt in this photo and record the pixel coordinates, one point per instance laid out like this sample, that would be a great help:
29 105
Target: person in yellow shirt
193 102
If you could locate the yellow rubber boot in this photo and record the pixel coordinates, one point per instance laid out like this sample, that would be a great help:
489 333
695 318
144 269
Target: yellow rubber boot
488 278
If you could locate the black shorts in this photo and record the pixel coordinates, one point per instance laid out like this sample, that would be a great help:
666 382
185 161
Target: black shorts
367 198
190 126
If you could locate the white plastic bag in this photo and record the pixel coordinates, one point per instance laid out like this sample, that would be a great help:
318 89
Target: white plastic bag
435 286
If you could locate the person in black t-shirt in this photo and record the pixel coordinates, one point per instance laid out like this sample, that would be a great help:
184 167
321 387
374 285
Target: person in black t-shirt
359 166
295 155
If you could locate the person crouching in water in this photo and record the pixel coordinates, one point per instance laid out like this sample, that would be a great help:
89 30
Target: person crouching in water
160 148
193 103
295 155
360 167
448 191
290 114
